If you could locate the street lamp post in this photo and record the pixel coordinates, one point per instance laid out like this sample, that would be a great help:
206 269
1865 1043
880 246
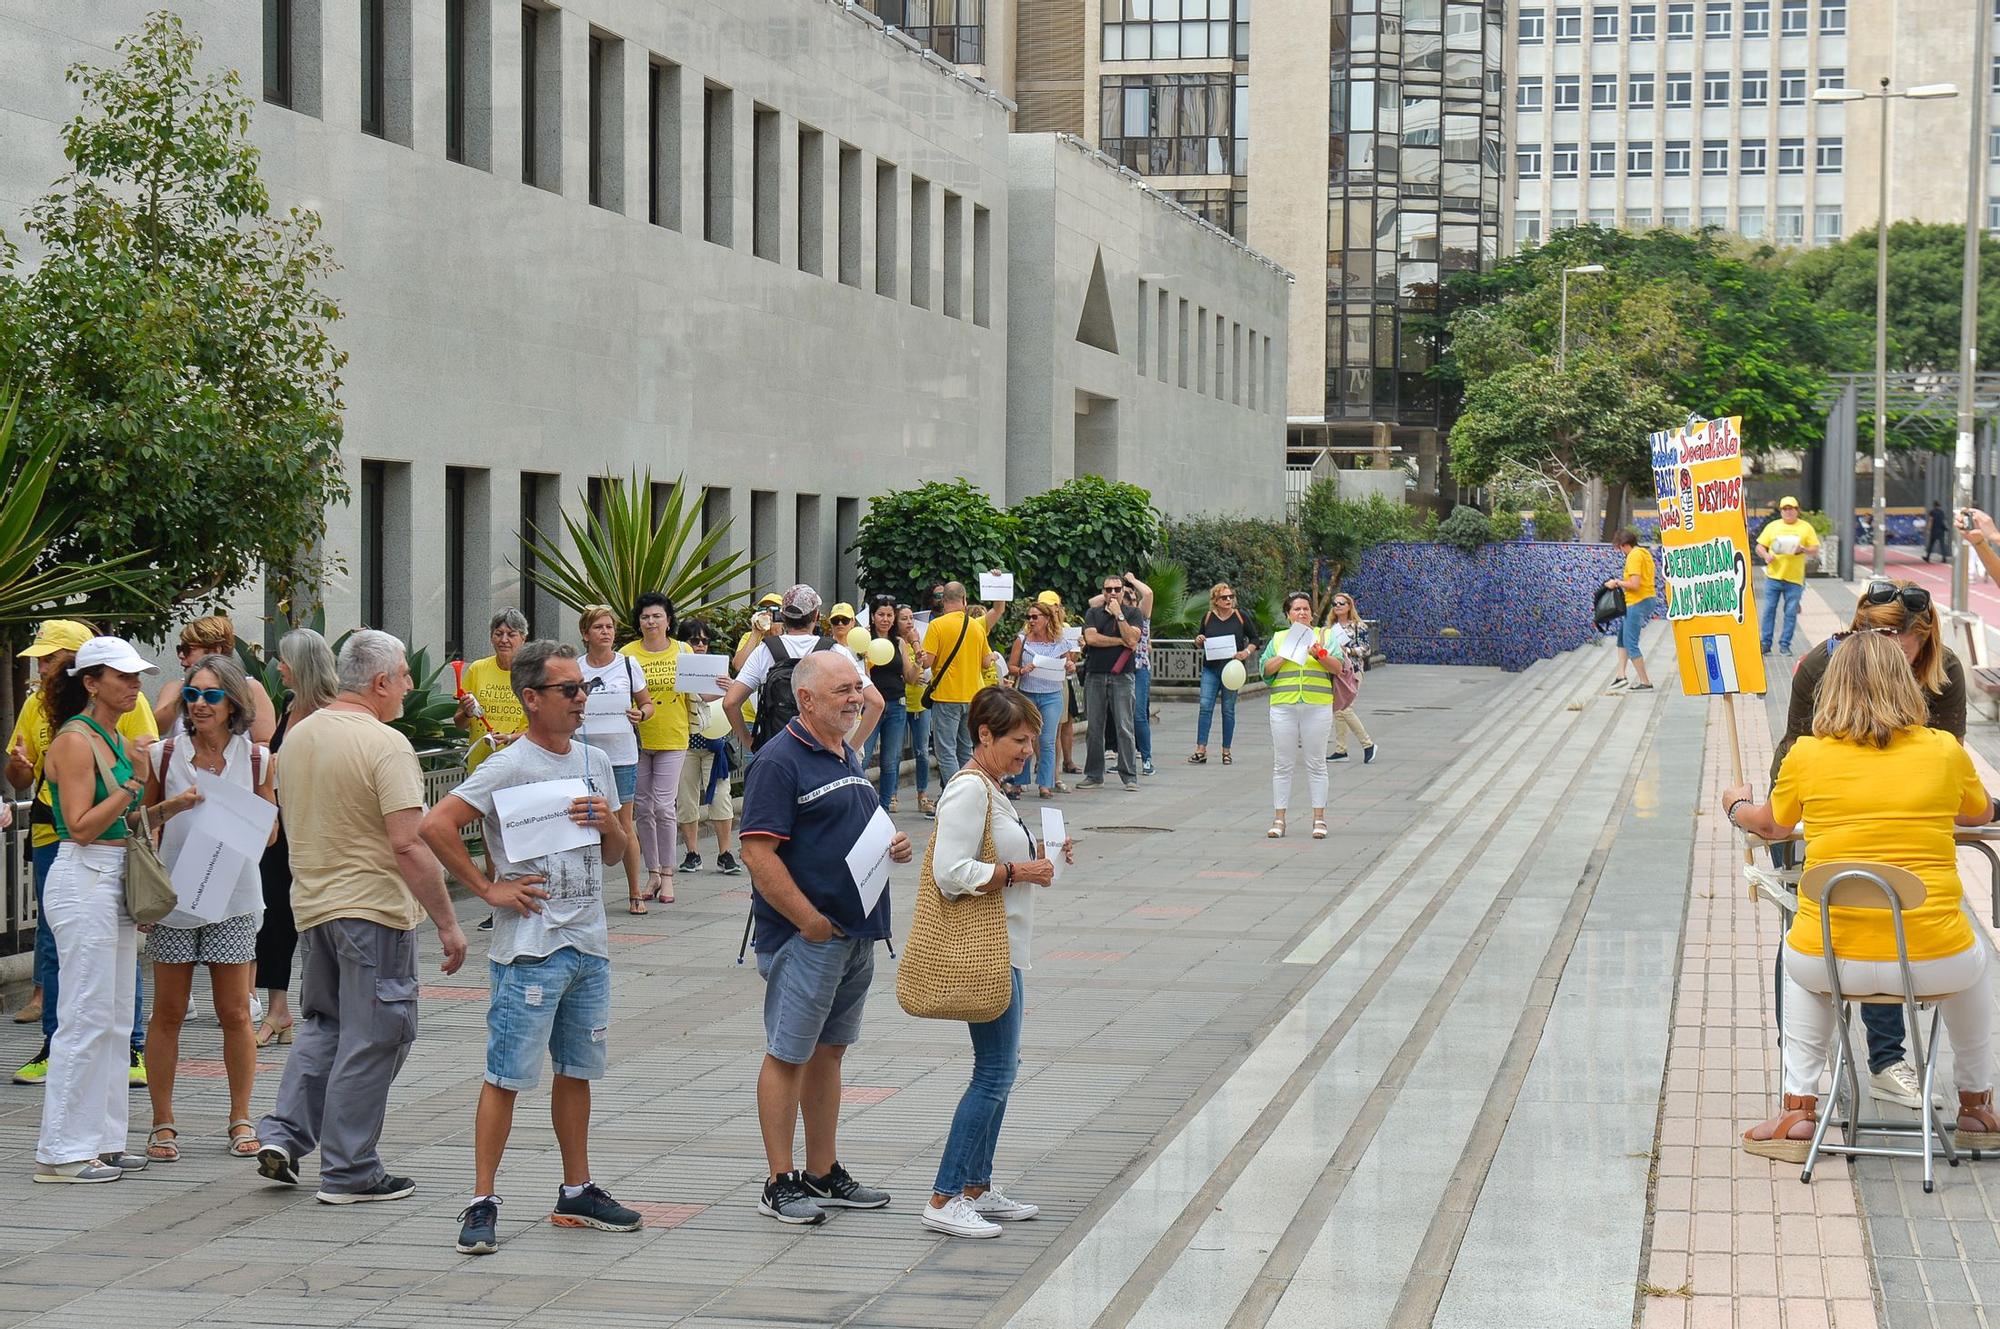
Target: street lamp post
1964 455
1562 318
1922 92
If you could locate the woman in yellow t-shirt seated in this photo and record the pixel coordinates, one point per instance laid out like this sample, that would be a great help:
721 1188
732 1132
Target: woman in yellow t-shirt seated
1873 784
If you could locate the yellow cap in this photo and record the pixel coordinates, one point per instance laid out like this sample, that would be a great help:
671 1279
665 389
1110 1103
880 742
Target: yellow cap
841 610
1788 502
59 634
771 601
1048 598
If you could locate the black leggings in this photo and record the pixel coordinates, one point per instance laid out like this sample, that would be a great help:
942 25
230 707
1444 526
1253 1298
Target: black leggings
278 938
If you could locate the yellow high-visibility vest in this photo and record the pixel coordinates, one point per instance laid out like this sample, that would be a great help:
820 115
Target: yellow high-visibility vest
1306 684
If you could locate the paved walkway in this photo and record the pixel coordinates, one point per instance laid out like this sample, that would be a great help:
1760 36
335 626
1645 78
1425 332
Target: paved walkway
1477 1060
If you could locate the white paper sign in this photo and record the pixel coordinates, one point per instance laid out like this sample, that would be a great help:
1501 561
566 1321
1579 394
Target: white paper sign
995 586
534 818
1051 665
1072 639
868 860
1296 644
1785 544
922 620
1219 648
1053 836
226 834
700 674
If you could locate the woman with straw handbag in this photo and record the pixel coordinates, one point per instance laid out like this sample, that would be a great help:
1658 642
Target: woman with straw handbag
969 941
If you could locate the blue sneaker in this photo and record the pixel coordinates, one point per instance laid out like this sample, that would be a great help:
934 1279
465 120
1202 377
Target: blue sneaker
479 1227
594 1207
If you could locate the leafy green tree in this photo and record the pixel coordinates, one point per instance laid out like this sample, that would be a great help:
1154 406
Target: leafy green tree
1078 532
1926 266
173 339
1253 554
1337 531
912 538
626 551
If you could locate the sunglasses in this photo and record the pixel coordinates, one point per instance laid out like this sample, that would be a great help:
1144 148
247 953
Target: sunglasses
1915 599
1113 590
570 690
185 649
695 641
842 619
213 696
1225 597
1842 636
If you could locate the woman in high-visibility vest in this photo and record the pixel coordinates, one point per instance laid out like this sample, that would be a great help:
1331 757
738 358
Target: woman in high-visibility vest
1301 712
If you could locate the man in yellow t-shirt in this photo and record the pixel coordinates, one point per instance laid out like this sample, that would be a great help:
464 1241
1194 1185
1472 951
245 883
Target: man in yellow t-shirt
955 647
53 651
1783 545
1640 582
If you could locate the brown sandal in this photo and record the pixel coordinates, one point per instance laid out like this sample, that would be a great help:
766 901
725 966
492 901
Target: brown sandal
244 1146
163 1150
1978 1109
1780 1144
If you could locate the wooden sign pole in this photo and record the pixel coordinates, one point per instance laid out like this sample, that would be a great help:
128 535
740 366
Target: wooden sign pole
1736 764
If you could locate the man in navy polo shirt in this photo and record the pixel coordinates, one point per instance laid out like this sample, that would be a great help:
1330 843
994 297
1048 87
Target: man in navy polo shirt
805 803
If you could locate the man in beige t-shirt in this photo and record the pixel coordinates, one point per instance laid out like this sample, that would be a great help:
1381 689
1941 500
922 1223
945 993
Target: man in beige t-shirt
362 879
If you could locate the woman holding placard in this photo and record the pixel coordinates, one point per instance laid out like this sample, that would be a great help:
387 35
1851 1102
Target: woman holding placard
617 702
663 740
1300 672
217 706
1348 633
892 667
1223 620
1042 667
704 792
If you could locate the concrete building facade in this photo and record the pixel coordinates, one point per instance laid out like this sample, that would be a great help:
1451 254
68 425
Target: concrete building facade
1136 332
760 244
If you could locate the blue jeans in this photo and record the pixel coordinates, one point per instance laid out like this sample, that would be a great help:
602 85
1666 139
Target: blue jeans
953 738
888 736
1792 593
559 1003
920 746
1050 704
975 1127
1142 724
1211 688
48 974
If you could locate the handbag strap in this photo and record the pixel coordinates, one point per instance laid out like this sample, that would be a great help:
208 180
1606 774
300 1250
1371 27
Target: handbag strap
104 771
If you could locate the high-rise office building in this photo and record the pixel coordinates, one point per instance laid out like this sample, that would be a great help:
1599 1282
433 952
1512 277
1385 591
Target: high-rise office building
1359 142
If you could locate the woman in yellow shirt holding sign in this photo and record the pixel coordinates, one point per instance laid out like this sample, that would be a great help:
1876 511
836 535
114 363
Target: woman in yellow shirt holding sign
1640 582
663 741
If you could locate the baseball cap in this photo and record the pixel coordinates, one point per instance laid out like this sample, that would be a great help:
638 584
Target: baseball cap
771 600
58 634
1048 598
1788 502
800 603
841 610
112 652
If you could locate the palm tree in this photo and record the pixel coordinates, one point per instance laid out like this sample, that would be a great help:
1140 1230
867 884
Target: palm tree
624 551
34 581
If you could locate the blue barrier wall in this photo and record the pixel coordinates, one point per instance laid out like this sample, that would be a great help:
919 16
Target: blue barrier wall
1510 604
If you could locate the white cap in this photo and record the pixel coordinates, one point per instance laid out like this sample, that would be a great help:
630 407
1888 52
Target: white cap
112 652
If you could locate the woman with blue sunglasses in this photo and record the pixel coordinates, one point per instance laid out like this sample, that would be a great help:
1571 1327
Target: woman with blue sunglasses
217 708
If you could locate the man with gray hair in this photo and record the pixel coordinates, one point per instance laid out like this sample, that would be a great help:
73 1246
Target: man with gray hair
362 879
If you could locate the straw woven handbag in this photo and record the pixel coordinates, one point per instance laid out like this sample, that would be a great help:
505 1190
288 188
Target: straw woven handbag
955 965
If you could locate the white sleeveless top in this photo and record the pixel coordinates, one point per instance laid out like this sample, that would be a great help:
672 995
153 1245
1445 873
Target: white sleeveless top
248 895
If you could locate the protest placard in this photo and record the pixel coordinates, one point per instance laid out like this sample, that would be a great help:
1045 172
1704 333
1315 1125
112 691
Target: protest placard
1705 574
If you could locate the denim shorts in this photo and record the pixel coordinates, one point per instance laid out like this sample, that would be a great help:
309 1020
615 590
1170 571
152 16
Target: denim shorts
561 1002
813 994
1636 618
627 780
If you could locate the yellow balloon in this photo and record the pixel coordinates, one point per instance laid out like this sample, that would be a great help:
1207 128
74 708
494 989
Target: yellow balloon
1232 675
717 724
881 651
857 640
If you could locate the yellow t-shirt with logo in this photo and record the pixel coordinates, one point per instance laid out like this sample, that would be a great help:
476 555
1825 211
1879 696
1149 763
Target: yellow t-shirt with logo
1884 805
494 687
667 731
1792 566
1639 563
32 735
961 682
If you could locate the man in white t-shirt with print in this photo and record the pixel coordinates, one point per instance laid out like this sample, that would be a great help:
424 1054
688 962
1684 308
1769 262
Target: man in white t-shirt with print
551 952
798 611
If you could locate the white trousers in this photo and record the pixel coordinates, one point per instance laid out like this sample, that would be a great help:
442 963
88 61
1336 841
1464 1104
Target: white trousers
87 1095
1968 1012
1295 726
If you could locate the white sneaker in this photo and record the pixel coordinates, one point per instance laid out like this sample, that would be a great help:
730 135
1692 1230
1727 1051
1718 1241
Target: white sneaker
256 1009
88 1171
997 1208
1900 1084
958 1218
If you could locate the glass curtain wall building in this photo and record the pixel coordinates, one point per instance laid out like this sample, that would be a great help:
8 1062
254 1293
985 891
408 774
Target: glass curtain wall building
1415 152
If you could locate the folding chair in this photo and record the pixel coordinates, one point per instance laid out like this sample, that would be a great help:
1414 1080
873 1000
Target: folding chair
1855 885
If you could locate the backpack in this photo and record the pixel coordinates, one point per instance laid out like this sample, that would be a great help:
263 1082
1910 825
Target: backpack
776 705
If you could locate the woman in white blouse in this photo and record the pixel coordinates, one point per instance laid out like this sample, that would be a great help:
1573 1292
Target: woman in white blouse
1006 728
217 704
